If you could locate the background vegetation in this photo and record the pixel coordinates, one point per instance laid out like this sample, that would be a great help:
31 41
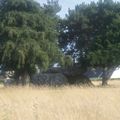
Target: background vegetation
34 36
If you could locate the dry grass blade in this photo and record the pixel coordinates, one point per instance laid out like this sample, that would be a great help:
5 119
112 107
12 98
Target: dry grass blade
66 103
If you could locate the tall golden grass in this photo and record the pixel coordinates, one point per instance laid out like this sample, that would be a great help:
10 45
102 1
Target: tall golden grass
65 103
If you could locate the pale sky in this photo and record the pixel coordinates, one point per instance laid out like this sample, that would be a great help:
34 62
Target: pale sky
65 4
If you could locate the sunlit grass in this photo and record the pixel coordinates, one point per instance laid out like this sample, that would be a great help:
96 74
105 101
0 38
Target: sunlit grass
64 103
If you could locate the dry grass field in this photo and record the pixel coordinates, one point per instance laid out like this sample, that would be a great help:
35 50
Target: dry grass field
65 103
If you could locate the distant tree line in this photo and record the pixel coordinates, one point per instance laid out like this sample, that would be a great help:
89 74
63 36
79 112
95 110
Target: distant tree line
34 36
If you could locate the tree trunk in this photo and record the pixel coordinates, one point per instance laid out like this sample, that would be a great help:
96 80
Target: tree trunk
25 78
104 82
22 78
106 75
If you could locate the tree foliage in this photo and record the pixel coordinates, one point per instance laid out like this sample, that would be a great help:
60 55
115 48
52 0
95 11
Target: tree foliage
90 33
52 7
28 36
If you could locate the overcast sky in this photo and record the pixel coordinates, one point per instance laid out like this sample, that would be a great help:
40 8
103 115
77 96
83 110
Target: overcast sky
68 4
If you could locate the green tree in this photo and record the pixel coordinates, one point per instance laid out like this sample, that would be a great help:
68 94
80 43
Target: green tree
90 33
74 38
105 47
28 38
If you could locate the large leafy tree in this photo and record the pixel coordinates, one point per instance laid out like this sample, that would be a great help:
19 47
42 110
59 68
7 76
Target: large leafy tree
90 33
28 37
105 47
75 34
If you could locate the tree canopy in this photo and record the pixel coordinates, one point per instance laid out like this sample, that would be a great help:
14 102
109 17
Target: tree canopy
28 36
90 34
